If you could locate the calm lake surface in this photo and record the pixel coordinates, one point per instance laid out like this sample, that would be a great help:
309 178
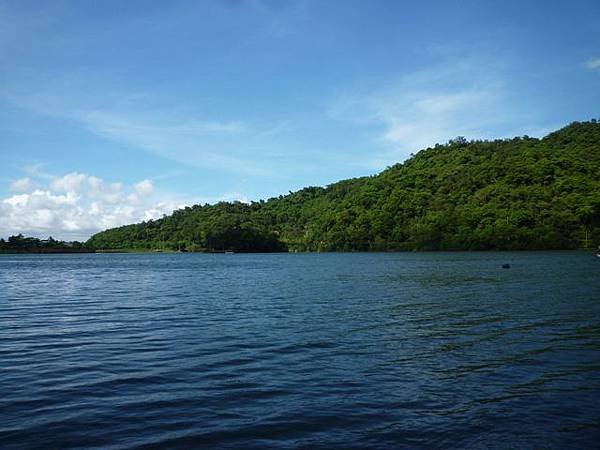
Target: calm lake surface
403 350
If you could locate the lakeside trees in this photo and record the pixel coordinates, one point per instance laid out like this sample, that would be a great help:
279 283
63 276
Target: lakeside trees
22 244
520 193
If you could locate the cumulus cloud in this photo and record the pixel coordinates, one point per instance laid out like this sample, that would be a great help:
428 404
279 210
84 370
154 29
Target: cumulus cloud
21 185
76 205
69 183
593 63
144 187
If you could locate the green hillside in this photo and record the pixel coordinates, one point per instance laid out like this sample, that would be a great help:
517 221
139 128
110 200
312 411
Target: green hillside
520 193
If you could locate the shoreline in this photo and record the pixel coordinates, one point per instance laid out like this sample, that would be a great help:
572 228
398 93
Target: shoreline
141 251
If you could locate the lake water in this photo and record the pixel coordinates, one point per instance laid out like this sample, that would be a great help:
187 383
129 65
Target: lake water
402 350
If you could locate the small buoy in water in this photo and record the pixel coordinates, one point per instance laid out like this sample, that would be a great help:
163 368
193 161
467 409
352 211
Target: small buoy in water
506 266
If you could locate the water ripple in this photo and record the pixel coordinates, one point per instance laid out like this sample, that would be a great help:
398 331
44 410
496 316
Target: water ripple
300 351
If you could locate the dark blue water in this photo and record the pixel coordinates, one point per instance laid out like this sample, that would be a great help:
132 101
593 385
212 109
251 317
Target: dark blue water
431 350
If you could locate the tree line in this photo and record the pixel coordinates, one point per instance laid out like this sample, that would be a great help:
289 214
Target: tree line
506 194
22 244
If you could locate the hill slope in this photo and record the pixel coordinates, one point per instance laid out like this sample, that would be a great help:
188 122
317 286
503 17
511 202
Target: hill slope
520 193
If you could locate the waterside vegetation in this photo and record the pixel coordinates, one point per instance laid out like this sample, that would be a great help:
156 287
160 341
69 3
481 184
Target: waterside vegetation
22 244
507 194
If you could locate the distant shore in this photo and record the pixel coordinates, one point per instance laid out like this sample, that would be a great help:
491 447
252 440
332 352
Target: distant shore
47 251
146 251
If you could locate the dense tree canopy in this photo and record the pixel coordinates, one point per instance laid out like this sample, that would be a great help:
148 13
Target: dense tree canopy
22 244
520 193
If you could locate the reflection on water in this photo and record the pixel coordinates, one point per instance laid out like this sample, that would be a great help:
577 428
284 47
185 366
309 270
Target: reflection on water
432 350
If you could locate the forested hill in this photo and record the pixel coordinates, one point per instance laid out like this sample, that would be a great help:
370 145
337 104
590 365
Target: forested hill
520 193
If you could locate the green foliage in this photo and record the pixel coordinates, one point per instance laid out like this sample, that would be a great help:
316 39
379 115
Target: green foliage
220 227
520 193
22 244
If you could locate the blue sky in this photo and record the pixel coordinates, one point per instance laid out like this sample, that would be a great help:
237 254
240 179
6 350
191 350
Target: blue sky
114 112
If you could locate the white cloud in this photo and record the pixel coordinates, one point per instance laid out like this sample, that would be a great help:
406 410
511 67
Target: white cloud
41 199
76 205
192 142
428 107
69 183
21 185
144 187
37 171
425 118
158 210
189 139
593 63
